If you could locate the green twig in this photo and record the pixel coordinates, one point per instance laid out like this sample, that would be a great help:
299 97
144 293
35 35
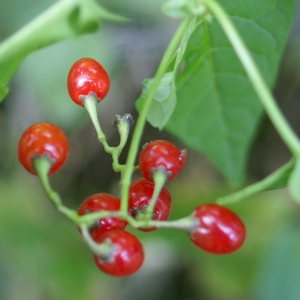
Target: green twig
270 182
125 180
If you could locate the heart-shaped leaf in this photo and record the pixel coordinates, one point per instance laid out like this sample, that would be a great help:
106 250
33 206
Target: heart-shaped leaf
217 109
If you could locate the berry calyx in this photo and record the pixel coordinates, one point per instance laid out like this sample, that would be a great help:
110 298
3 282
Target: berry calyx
218 230
161 154
100 202
140 194
43 140
126 255
86 77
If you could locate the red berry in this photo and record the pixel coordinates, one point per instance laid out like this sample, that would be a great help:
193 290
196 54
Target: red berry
164 154
43 140
140 193
100 202
219 230
87 76
126 255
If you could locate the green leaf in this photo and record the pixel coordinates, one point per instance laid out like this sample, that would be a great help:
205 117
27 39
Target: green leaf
294 180
163 102
65 19
217 109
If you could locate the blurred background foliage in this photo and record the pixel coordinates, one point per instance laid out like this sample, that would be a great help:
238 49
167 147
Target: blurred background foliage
42 255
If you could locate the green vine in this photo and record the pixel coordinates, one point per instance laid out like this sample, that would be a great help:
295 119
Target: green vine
125 180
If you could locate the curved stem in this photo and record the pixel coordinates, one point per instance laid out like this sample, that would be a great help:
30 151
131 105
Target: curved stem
123 124
102 250
42 166
125 180
159 177
90 103
278 120
270 182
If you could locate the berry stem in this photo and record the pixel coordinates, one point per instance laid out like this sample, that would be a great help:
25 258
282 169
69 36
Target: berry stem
123 125
125 180
159 177
42 166
278 120
186 224
102 250
90 104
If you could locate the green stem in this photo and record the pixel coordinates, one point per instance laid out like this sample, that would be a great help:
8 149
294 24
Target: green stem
90 103
42 166
123 125
270 182
185 224
159 178
280 123
125 180
102 250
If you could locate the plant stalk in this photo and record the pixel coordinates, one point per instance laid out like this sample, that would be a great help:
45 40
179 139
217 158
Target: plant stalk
140 124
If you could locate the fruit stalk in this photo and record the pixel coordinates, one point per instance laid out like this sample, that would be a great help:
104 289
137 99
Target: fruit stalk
42 167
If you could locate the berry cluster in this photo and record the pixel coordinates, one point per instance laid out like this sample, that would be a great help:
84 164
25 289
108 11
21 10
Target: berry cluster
102 218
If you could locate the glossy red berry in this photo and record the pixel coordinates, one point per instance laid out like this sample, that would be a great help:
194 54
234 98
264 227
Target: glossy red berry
100 202
219 230
140 193
87 76
43 140
126 255
158 154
